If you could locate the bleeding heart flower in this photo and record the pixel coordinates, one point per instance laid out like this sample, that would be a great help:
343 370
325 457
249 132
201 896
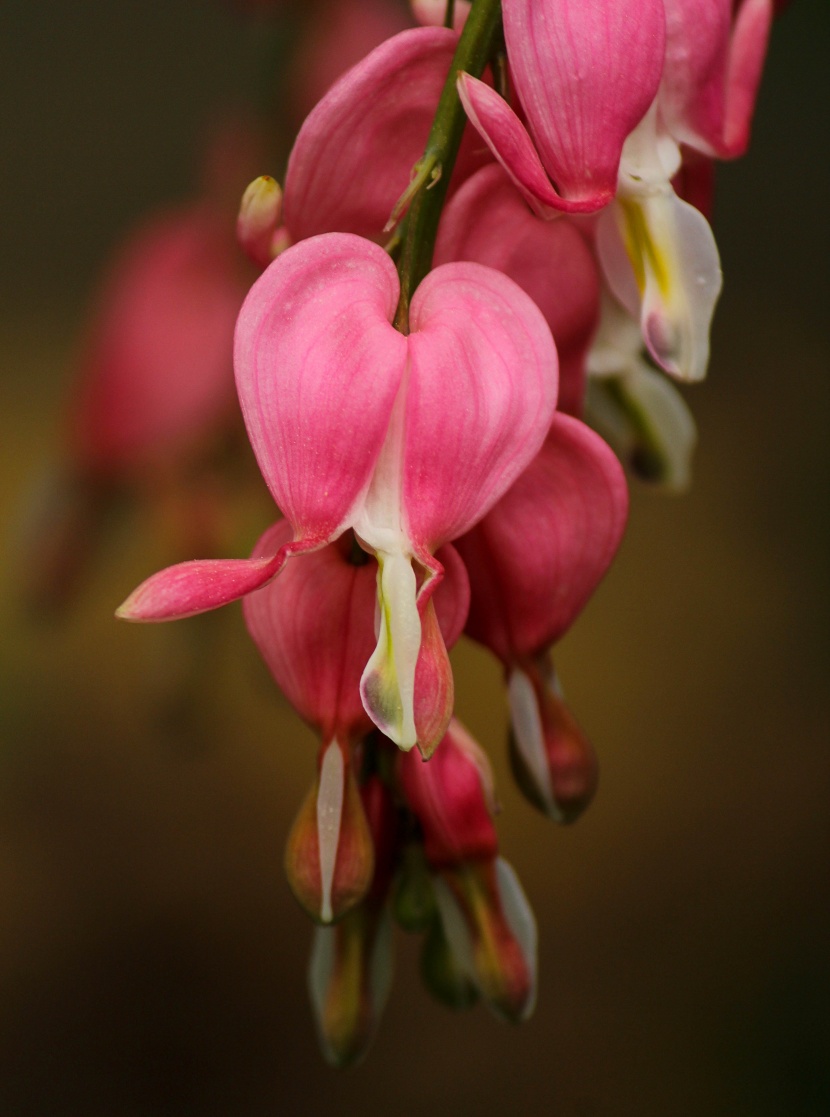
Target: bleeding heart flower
408 440
533 562
585 72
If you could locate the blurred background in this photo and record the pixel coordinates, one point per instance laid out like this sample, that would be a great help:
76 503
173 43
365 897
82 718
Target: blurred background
152 959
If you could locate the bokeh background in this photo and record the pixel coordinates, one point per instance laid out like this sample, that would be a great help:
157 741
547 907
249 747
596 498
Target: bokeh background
152 960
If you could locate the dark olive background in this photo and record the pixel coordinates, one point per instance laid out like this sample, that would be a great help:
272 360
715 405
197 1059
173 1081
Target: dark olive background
152 960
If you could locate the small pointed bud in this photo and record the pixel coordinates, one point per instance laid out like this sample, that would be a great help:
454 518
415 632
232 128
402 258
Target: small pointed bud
349 977
413 897
441 972
329 859
452 797
553 761
258 226
492 933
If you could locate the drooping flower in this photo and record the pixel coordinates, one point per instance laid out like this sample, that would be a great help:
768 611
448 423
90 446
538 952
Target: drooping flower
657 251
533 563
409 440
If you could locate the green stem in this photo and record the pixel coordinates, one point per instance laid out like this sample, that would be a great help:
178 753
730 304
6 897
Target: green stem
435 168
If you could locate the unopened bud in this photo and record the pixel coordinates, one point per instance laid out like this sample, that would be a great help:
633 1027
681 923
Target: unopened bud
350 973
452 797
413 897
329 859
441 972
553 761
258 228
491 931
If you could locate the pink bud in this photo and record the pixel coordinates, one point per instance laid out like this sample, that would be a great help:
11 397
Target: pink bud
329 858
258 227
553 761
452 797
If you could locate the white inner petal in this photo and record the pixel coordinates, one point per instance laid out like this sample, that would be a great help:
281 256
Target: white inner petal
329 815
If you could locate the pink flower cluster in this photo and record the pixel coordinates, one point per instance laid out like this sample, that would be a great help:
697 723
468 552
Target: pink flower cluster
430 456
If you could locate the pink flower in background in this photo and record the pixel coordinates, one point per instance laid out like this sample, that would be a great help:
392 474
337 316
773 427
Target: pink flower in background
157 372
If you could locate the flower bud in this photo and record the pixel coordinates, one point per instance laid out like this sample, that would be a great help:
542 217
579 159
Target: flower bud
441 972
351 963
349 976
491 931
329 857
553 761
413 897
258 228
453 799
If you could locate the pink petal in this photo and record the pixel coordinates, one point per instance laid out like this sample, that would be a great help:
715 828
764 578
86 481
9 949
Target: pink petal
480 398
509 141
750 36
349 166
318 366
195 587
488 222
538 556
585 73
712 72
314 628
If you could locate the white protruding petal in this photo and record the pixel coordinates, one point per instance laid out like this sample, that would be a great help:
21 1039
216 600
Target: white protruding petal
388 683
661 261
529 736
321 967
521 921
382 964
329 815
